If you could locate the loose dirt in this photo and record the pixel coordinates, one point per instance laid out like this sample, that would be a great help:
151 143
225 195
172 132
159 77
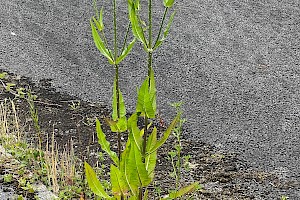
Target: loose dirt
223 175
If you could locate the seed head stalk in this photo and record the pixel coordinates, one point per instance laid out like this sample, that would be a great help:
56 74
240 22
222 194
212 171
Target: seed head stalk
117 77
117 72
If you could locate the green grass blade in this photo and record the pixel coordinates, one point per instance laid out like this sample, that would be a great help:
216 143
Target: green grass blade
105 145
93 182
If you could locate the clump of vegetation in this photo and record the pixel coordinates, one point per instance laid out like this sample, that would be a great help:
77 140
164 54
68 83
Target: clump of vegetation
134 163
28 164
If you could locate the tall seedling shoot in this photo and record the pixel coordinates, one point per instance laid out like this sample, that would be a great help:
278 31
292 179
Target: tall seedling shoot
114 59
132 170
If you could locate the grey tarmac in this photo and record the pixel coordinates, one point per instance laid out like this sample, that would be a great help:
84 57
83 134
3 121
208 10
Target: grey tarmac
235 64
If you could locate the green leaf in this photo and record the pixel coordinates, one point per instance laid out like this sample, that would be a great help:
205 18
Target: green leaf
145 197
168 3
105 145
166 32
93 182
126 51
130 170
9 86
99 27
145 101
165 136
137 30
150 159
122 104
184 190
99 43
3 75
119 126
140 166
100 20
119 185
134 132
157 44
169 24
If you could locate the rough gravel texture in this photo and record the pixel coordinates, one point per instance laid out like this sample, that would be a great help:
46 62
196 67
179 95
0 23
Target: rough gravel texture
235 64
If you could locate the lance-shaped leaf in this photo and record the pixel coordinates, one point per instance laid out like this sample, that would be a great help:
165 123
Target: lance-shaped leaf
119 126
150 160
145 102
134 132
118 182
140 166
165 136
130 169
126 51
183 191
168 3
105 145
100 20
166 31
137 30
93 182
121 105
99 43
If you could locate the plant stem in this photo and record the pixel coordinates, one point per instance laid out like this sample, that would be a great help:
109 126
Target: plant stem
150 23
125 39
145 137
118 109
115 29
117 77
161 25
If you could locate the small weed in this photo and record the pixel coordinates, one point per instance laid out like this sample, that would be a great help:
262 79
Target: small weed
8 178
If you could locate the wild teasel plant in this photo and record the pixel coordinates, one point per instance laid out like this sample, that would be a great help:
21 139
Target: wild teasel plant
133 169
114 59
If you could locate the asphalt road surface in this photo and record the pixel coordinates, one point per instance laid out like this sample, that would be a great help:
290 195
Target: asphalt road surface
235 64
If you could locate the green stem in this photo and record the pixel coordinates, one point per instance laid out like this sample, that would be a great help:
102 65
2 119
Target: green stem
125 39
106 43
115 30
118 109
161 25
150 23
145 137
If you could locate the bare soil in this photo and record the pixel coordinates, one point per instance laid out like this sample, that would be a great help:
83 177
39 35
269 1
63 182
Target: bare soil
223 175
